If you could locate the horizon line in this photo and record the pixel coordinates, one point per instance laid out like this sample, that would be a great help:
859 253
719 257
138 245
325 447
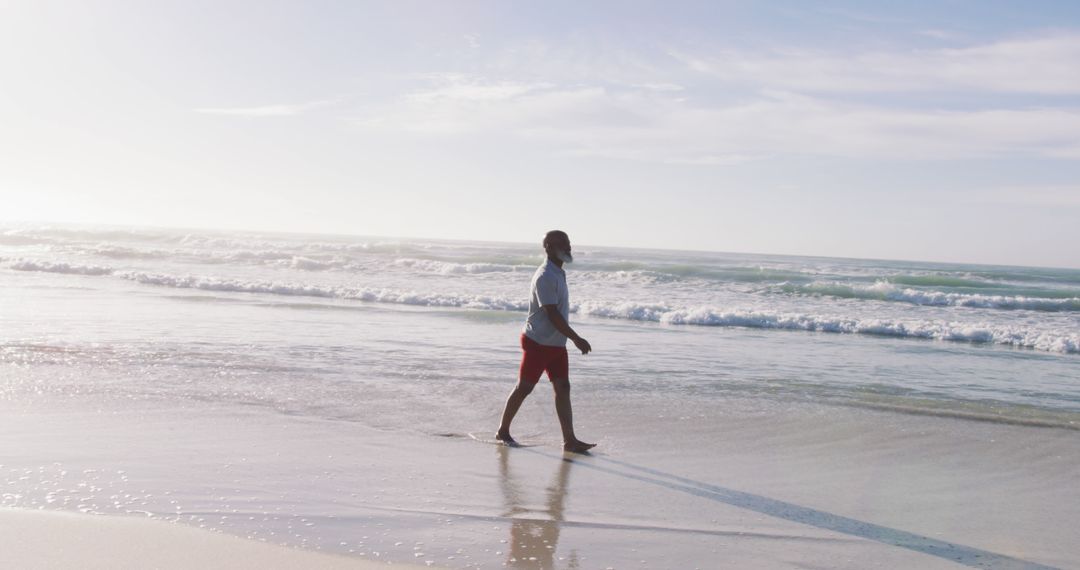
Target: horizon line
130 226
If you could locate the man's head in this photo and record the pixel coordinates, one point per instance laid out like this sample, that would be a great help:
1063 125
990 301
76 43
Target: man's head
557 246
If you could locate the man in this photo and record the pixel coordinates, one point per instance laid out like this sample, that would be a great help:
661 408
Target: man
544 343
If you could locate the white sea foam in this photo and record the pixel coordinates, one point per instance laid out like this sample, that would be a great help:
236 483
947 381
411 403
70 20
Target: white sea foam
885 291
118 252
16 237
447 268
308 264
376 295
927 329
637 276
267 257
247 255
54 267
999 333
257 245
279 258
687 290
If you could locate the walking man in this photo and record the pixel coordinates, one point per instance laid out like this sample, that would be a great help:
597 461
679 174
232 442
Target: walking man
543 341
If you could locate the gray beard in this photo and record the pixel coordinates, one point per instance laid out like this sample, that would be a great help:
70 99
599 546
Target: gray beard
565 257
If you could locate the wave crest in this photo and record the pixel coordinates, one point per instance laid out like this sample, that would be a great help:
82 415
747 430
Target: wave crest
487 302
936 330
1002 334
51 267
448 267
886 291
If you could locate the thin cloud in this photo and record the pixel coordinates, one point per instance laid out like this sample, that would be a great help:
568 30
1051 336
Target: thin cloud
862 17
939 34
659 86
1044 65
463 90
645 124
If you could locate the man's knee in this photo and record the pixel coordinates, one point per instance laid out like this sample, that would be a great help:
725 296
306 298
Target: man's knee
524 388
561 385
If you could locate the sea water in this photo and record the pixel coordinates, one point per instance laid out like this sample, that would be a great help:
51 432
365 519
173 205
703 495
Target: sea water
420 337
299 322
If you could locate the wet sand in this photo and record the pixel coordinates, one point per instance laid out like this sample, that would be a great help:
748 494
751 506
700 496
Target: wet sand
797 487
53 539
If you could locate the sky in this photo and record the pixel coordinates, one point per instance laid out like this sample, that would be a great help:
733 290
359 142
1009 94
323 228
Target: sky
938 131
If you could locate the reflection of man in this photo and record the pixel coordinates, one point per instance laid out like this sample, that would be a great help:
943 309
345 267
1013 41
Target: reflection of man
544 343
533 541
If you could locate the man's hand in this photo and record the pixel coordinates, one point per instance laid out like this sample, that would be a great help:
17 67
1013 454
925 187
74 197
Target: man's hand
562 326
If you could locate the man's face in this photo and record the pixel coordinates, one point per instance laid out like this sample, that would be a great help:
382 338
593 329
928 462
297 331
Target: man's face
559 245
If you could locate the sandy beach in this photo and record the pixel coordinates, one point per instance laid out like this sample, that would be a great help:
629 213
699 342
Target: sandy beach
56 539
793 488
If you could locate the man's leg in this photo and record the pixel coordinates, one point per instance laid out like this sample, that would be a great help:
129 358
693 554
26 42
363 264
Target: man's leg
566 417
513 404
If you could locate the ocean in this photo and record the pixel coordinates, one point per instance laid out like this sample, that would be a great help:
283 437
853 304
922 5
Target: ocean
418 339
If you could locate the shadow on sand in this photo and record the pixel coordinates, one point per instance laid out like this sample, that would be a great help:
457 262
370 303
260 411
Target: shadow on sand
546 535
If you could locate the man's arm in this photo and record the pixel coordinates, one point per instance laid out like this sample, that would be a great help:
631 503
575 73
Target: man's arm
562 326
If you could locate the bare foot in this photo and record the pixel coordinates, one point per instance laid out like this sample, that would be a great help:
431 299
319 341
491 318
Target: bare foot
506 439
578 446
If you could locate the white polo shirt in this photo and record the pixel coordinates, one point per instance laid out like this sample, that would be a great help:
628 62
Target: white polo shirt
548 288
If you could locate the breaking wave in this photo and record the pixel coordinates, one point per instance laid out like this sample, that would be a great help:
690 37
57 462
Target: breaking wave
940 281
1002 333
925 329
50 267
374 295
886 291
449 268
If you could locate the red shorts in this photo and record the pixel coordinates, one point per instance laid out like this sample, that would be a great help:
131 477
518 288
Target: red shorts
537 358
